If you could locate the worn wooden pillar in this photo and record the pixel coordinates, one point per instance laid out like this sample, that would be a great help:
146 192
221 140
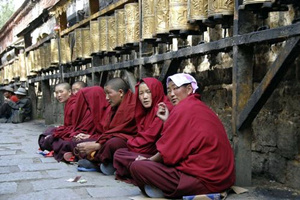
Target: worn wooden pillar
33 98
242 76
96 61
47 105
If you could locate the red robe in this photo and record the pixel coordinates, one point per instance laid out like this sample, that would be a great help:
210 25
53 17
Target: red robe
90 110
149 125
120 122
60 131
194 141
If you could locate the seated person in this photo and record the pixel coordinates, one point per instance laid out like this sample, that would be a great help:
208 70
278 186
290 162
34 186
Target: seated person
118 128
149 92
88 117
18 111
194 154
63 95
8 93
78 85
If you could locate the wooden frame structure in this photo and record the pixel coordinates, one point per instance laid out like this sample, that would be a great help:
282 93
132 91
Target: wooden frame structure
246 102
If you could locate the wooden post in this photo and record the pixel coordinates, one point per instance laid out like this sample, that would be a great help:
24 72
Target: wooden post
96 61
33 98
242 76
47 105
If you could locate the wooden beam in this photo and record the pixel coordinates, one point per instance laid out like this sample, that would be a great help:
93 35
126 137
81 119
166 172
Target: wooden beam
242 80
269 83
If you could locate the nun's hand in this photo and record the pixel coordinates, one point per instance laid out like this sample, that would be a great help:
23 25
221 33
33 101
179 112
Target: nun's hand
162 112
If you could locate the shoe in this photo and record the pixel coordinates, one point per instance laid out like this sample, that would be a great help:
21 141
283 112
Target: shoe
69 157
85 165
107 169
153 192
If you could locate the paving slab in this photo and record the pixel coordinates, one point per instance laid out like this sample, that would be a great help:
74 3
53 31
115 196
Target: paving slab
25 174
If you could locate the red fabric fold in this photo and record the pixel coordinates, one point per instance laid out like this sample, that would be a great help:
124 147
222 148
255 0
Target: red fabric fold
120 122
194 141
89 114
68 114
149 126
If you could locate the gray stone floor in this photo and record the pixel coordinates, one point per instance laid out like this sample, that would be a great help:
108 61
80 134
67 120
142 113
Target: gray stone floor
25 174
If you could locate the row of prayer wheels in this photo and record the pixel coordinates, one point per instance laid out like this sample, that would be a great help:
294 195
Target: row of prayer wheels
14 70
118 31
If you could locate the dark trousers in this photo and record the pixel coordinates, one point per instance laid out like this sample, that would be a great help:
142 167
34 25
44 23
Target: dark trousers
5 111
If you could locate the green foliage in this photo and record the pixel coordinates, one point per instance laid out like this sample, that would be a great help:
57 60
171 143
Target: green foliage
6 11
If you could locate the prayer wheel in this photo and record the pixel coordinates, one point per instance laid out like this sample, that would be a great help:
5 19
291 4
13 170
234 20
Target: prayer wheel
95 36
31 60
103 33
10 72
179 17
132 23
43 57
54 51
22 64
14 69
48 57
86 43
111 33
161 11
218 8
78 48
120 28
37 60
62 51
197 10
148 18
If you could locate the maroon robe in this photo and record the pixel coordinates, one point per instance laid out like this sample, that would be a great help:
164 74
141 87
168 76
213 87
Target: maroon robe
149 128
120 123
193 145
61 130
89 114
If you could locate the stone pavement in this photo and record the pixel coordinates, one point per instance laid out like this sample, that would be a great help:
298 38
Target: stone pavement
25 174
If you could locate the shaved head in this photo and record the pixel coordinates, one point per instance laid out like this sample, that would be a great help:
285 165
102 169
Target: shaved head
118 84
66 86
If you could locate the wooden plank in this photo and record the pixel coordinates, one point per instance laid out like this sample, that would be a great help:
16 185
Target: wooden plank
242 80
269 83
107 10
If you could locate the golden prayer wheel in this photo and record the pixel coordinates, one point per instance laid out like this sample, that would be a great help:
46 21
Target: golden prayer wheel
95 36
10 73
161 11
148 18
37 60
43 57
220 7
103 33
14 69
78 44
30 71
22 63
54 51
111 33
2 76
197 10
179 17
65 50
48 55
86 42
120 28
132 23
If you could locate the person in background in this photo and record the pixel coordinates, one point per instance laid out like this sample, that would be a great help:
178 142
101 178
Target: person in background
194 154
149 92
16 112
78 85
8 93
